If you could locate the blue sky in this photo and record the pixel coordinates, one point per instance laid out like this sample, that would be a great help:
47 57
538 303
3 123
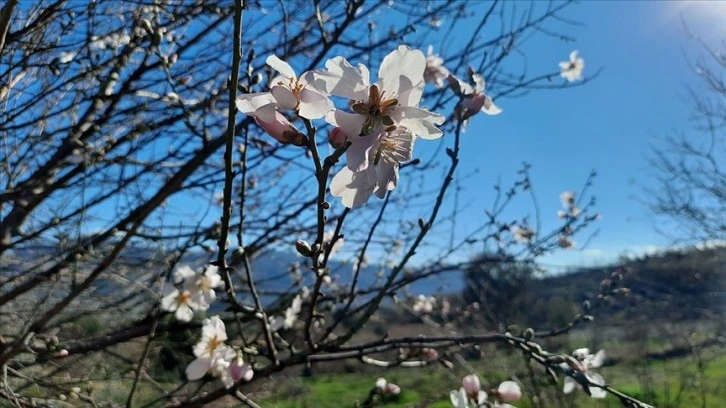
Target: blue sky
606 125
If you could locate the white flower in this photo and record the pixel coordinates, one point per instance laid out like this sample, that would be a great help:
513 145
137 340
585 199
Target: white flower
202 286
568 198
212 355
356 187
523 234
584 362
287 91
291 314
66 57
297 93
572 69
424 304
377 108
181 302
435 72
565 242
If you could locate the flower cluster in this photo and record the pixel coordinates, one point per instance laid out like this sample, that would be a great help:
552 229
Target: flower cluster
384 387
579 372
378 130
217 359
471 392
572 70
569 206
190 292
424 304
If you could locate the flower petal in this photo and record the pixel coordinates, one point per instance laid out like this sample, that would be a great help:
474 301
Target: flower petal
403 62
342 79
260 104
489 107
284 97
387 174
458 399
419 121
354 188
280 66
197 368
314 105
570 385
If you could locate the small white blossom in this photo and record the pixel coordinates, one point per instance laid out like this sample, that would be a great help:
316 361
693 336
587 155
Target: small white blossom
435 72
384 121
212 355
572 69
584 362
424 304
523 233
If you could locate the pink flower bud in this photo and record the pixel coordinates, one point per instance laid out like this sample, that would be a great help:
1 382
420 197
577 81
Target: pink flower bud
471 385
239 370
337 138
393 389
431 354
509 391
282 130
61 353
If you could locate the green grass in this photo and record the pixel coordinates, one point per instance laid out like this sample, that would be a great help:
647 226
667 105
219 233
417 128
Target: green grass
430 386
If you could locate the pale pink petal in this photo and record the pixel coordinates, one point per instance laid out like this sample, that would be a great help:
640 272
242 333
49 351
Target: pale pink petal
197 368
342 79
570 385
489 107
471 384
420 122
479 83
184 313
402 64
261 105
387 174
280 66
481 397
459 399
598 359
284 97
314 105
354 188
184 272
573 56
509 391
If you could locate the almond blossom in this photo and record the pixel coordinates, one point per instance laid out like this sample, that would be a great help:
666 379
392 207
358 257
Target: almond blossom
203 285
180 301
580 370
435 72
290 317
356 187
471 391
572 70
212 355
287 91
392 101
473 99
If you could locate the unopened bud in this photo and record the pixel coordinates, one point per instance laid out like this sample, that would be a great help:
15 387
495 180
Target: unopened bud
282 130
337 138
303 248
